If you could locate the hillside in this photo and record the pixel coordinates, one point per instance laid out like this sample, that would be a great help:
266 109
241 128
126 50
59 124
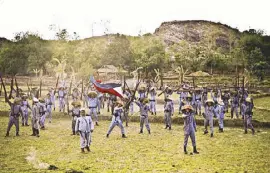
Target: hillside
196 45
196 31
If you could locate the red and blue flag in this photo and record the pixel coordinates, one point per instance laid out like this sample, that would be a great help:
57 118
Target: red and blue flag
110 88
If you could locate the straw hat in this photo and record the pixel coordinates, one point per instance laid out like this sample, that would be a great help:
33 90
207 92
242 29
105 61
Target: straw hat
152 89
24 95
17 100
35 100
142 88
221 103
92 94
76 104
197 89
187 107
41 100
209 101
119 103
145 100
189 95
248 99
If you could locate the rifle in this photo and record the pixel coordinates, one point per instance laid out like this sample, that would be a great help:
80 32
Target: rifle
40 87
69 92
82 91
132 97
56 85
193 80
17 88
6 99
126 107
148 88
124 84
29 90
127 87
243 88
161 92
11 88
1 89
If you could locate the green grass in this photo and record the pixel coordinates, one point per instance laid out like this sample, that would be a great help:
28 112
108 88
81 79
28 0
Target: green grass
262 102
162 151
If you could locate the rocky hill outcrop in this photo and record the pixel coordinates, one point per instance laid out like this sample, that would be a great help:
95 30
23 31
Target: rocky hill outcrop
197 32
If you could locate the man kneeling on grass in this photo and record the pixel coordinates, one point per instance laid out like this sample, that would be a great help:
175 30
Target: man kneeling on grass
189 127
84 126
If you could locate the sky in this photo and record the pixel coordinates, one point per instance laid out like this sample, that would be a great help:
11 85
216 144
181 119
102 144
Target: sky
132 17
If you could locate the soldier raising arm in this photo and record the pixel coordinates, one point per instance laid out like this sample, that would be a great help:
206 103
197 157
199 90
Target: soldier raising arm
15 111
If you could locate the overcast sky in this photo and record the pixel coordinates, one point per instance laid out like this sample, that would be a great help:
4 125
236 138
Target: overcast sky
125 16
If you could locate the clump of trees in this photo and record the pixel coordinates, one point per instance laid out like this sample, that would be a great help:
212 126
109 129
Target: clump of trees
28 51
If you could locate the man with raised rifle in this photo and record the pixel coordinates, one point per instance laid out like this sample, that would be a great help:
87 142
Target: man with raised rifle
15 112
226 97
25 106
234 105
198 101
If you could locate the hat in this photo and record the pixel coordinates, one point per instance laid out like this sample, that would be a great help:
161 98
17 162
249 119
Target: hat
75 89
24 95
221 103
17 100
92 94
152 88
248 99
41 100
168 97
187 107
197 89
119 103
189 95
142 88
48 94
145 100
35 100
210 101
226 90
76 104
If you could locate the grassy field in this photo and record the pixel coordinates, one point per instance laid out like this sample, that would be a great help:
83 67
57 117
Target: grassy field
262 102
162 151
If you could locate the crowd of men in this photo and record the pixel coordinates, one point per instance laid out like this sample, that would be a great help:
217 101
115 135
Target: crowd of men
192 102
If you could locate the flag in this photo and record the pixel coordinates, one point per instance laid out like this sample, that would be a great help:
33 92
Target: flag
110 88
